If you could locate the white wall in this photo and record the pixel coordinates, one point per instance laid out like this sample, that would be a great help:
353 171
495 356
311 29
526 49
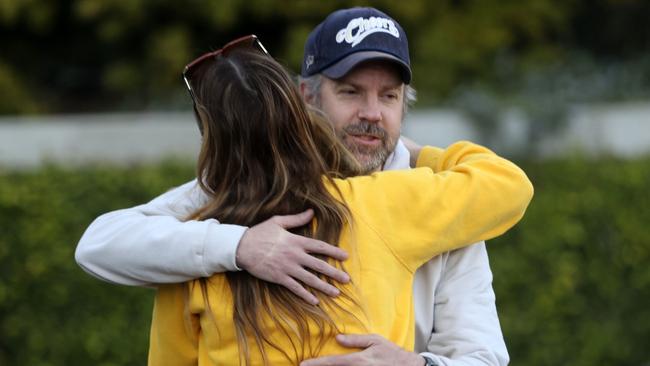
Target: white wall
113 138
618 129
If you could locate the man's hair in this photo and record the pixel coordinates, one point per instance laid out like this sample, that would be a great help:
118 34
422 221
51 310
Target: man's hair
313 84
264 154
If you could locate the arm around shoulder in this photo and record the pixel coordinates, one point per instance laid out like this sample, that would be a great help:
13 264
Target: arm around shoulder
457 196
496 191
150 243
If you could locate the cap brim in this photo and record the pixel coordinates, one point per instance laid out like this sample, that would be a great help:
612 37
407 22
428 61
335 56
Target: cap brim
346 64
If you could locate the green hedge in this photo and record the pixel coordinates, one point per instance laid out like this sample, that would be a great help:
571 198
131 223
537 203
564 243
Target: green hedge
572 280
53 313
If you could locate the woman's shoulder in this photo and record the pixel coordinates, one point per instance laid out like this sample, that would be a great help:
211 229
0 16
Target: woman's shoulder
384 179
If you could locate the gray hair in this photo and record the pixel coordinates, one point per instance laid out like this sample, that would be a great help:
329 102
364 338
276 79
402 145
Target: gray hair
313 84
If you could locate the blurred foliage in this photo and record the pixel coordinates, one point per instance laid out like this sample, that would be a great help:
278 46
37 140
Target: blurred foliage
51 312
13 96
546 95
572 279
93 55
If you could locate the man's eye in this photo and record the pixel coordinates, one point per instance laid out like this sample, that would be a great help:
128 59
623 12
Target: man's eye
348 91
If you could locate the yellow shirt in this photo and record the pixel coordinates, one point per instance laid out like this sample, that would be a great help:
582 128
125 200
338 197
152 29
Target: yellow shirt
455 197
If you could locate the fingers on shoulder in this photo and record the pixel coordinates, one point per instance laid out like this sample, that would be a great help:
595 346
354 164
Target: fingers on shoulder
292 221
320 247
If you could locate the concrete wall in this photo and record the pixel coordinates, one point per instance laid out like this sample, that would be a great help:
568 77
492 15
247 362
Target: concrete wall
26 142
110 138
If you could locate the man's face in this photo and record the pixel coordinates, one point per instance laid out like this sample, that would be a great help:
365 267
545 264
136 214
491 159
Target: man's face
366 108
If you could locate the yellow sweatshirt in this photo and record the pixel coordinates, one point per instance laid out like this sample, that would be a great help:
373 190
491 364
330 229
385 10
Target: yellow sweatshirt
455 197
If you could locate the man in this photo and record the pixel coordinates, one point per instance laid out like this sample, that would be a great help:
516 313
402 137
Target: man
356 69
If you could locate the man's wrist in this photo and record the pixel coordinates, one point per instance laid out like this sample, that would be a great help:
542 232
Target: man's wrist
239 260
221 245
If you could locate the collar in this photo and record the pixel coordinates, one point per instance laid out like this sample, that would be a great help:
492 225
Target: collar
399 159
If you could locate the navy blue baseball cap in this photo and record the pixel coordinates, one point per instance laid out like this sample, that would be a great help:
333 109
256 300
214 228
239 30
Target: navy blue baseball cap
349 37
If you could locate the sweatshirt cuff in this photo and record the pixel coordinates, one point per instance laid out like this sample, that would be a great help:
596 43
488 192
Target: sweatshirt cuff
220 247
435 358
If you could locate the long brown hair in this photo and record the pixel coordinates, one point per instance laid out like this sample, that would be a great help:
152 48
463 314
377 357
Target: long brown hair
265 153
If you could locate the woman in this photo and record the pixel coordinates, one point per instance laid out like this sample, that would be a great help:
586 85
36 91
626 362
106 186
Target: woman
263 154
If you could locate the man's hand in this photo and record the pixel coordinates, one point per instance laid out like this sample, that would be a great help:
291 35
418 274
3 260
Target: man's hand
377 352
271 253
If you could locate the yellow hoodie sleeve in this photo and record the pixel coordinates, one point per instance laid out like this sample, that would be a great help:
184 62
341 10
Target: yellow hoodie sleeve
455 197
174 335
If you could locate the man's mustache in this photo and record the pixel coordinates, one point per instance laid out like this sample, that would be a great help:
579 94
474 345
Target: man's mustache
367 129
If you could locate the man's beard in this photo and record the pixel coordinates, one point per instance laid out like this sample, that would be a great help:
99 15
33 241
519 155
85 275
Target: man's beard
370 158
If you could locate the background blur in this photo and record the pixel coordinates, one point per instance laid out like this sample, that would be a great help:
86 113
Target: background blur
94 117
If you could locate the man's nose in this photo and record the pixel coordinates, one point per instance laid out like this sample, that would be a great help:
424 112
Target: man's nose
370 110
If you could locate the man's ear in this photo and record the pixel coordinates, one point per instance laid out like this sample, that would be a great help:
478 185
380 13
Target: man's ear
307 96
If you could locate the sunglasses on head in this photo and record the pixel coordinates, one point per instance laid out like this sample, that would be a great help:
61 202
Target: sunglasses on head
250 41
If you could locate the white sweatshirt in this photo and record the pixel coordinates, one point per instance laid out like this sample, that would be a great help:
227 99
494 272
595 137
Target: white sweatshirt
455 312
